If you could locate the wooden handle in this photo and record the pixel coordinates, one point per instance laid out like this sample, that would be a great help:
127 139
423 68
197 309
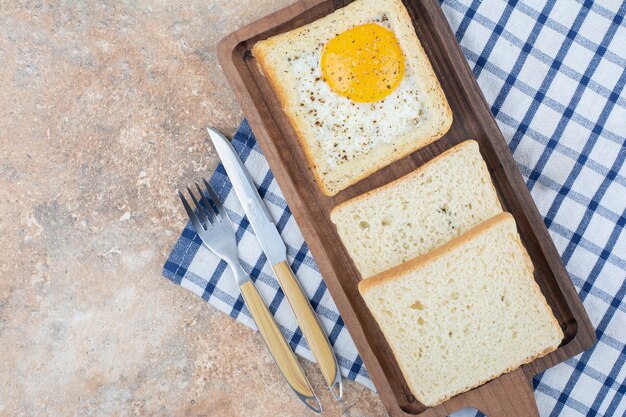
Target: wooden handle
308 322
276 344
510 395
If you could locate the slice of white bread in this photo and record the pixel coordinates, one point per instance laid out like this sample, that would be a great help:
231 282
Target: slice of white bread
345 141
464 313
418 212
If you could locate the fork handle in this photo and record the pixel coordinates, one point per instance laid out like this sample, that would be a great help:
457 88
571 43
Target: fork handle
311 328
278 347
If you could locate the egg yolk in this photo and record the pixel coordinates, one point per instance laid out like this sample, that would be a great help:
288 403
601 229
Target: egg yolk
364 64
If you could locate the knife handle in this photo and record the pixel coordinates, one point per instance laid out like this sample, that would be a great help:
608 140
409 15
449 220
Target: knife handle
310 327
278 347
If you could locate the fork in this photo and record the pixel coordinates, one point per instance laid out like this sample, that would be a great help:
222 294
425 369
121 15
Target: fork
217 234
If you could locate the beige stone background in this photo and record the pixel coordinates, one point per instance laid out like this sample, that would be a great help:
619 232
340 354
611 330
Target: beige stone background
102 109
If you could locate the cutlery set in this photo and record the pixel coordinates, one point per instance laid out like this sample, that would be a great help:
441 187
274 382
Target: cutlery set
213 226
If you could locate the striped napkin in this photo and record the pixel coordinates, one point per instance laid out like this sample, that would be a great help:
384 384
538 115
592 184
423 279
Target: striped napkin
554 75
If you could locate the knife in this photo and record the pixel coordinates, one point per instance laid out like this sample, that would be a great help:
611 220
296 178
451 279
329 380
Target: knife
276 253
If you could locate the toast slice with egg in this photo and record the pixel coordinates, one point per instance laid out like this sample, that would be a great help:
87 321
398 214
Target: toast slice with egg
357 88
463 313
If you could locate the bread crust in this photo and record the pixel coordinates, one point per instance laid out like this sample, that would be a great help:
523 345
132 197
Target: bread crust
259 51
410 265
484 381
385 154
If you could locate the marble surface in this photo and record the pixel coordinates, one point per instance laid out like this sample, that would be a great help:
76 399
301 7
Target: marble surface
101 119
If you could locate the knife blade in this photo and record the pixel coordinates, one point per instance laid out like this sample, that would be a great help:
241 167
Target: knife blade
276 252
258 216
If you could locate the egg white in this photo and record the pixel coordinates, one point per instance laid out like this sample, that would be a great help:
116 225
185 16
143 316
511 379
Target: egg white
346 129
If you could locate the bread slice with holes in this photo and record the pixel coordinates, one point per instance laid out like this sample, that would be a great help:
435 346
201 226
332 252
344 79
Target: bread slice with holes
344 140
418 212
464 313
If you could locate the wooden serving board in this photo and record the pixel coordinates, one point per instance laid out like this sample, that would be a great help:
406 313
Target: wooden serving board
508 395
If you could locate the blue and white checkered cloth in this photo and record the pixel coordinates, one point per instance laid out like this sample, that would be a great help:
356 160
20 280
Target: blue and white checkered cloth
554 74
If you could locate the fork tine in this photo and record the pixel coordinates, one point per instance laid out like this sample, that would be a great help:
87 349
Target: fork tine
190 213
205 201
203 216
216 200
